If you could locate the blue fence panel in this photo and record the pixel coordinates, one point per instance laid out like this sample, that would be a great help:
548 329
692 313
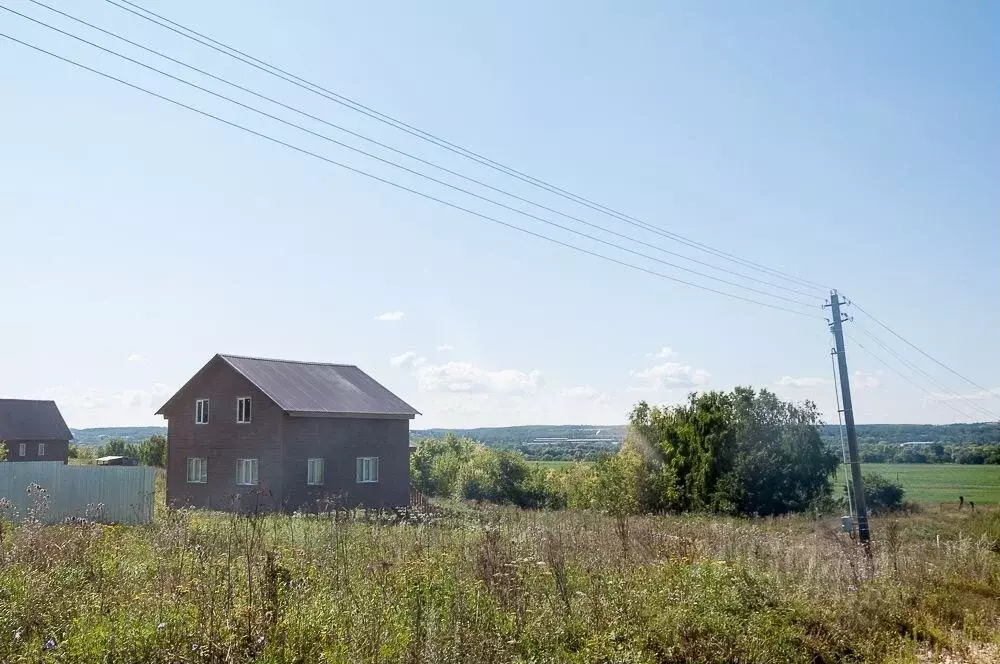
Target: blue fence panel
52 492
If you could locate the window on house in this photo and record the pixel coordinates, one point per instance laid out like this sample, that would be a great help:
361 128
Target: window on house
201 411
243 410
197 470
41 449
314 472
22 449
367 469
246 472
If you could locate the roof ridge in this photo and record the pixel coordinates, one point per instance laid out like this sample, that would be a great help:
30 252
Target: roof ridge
31 400
276 359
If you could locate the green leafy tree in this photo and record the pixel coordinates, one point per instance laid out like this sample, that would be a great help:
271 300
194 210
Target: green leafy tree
118 447
435 464
153 451
3 451
881 494
744 452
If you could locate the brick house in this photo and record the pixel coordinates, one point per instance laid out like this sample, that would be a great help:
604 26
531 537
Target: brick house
33 430
252 433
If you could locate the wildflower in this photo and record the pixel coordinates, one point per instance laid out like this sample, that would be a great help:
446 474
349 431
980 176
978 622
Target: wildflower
161 625
50 644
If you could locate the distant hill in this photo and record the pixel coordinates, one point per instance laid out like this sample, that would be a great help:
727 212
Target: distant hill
522 435
101 435
602 435
977 434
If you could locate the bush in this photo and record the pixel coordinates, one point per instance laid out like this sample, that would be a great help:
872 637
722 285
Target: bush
881 494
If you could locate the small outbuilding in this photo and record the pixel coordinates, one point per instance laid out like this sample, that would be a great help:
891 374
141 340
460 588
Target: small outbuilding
33 430
117 461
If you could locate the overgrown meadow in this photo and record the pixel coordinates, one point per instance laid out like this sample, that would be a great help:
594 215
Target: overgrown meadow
470 584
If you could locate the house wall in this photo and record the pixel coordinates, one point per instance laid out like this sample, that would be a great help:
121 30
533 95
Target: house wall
339 441
55 450
222 442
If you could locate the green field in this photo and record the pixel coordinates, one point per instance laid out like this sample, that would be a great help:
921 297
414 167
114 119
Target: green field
942 483
924 483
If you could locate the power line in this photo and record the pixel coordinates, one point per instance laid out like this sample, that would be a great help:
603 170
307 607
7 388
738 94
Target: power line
933 381
358 107
397 185
407 154
918 349
875 356
396 165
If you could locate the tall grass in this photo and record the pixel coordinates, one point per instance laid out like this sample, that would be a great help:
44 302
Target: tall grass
486 584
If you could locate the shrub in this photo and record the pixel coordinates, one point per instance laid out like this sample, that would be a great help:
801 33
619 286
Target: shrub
881 494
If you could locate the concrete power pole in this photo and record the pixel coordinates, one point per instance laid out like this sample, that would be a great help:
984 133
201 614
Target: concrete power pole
857 488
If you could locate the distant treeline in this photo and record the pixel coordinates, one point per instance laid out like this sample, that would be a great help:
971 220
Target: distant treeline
99 436
585 442
933 453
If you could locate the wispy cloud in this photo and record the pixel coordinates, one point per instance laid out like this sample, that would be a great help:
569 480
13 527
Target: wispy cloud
391 316
664 353
136 357
585 393
865 381
409 358
445 347
803 382
975 396
671 375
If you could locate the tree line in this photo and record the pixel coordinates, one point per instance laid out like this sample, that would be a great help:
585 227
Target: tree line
151 451
742 452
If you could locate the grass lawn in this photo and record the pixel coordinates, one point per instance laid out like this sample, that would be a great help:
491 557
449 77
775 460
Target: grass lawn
942 483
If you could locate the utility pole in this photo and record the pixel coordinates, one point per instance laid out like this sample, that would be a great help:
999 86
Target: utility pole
852 436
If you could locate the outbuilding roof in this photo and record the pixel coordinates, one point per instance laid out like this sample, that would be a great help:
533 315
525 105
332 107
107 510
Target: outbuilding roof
29 419
319 389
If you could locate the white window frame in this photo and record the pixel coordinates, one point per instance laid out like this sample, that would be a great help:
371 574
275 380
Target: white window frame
367 470
202 412
22 449
314 472
197 468
244 410
41 449
247 472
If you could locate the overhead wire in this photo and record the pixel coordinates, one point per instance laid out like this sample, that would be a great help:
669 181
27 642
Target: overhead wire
876 357
919 350
945 392
401 152
230 51
392 183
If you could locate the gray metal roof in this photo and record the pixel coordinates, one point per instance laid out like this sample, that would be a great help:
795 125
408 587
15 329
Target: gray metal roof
312 388
27 419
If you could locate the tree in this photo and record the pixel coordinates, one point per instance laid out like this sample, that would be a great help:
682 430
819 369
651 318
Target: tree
153 451
3 451
881 494
743 452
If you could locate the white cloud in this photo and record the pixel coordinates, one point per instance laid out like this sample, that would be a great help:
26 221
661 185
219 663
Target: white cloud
468 378
443 347
804 382
409 358
671 375
975 396
865 381
136 357
585 393
664 353
390 316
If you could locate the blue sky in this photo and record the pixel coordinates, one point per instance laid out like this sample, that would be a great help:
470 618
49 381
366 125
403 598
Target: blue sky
855 146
